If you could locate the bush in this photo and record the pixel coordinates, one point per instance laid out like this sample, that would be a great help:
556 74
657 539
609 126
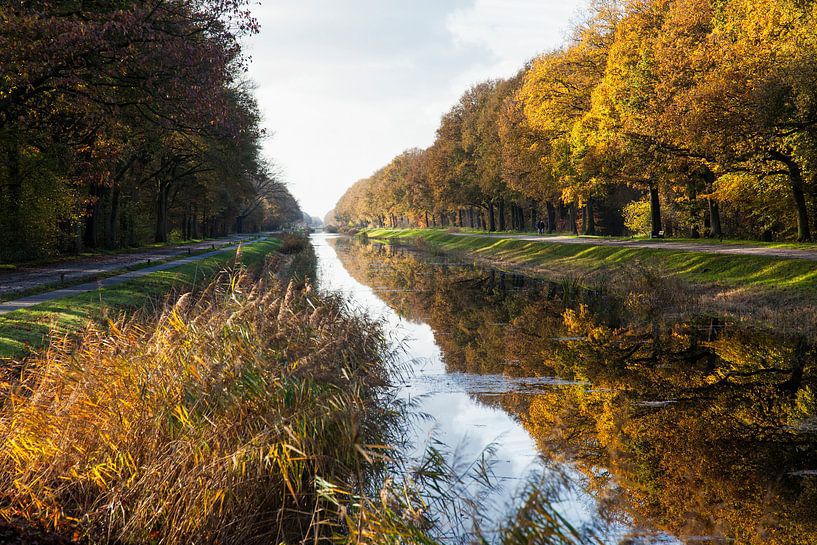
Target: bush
637 218
293 243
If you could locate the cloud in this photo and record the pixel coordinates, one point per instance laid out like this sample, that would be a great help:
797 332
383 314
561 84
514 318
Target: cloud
345 86
512 31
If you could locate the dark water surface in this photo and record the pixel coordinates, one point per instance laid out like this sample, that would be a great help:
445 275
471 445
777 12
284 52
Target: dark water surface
657 430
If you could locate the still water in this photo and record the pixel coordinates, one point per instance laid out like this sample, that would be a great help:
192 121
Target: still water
647 429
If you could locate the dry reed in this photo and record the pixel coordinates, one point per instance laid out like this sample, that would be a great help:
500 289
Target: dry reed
218 422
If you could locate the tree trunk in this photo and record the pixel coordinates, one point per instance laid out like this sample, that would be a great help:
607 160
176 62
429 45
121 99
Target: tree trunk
589 224
15 187
113 219
796 182
714 218
161 213
491 219
715 230
502 214
572 215
803 227
92 218
655 210
551 214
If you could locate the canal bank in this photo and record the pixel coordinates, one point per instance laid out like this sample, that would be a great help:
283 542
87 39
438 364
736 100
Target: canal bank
769 287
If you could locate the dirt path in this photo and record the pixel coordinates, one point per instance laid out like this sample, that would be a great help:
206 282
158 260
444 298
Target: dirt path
727 249
32 300
28 278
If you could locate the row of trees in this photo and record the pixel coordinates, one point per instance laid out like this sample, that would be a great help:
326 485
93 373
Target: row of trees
695 117
125 121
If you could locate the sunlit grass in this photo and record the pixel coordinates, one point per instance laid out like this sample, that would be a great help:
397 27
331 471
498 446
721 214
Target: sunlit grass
24 330
729 270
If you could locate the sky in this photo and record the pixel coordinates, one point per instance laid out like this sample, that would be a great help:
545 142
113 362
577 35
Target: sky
346 85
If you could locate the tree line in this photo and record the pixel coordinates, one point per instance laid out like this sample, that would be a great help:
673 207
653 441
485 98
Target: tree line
684 117
124 122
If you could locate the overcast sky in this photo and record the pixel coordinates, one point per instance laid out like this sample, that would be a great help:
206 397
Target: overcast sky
345 85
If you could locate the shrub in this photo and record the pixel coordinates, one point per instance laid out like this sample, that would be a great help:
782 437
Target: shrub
293 243
637 217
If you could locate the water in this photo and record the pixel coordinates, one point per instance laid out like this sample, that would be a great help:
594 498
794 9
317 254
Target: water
649 430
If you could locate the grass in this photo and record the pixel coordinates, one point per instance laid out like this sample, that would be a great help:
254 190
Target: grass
641 238
9 296
49 260
25 330
764 273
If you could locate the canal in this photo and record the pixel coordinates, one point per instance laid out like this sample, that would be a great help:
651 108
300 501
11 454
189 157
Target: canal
635 424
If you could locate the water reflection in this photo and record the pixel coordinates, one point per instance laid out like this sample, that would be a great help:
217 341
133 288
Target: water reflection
701 429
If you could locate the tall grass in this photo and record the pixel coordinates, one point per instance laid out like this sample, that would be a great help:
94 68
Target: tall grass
219 422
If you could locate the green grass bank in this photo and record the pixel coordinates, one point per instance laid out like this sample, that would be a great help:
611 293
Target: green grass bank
768 275
26 330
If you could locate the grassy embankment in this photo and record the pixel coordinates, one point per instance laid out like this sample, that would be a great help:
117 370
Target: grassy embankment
769 290
647 239
25 330
9 296
754 271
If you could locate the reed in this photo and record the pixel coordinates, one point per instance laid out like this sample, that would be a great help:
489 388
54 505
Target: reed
217 422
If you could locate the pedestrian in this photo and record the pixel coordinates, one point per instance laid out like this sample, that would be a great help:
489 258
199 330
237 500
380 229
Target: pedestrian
540 225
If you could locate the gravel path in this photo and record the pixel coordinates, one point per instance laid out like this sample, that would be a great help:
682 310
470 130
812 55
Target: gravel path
47 277
26 278
727 249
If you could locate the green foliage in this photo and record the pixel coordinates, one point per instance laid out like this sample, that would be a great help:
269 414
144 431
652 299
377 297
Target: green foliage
637 217
90 159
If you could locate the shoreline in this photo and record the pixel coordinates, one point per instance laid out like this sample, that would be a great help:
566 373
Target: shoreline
766 292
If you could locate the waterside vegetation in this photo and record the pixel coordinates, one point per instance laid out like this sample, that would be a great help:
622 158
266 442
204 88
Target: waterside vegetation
255 410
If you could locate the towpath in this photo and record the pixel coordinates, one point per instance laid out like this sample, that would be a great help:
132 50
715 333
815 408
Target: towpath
91 268
702 247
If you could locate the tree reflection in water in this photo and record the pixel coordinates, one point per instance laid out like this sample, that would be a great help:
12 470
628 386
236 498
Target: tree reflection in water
696 427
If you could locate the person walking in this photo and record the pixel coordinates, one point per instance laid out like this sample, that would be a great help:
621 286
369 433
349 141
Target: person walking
540 225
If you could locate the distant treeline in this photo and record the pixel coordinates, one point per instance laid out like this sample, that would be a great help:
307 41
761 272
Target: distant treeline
692 117
124 122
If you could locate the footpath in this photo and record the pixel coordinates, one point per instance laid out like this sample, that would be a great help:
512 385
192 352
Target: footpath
50 274
702 247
